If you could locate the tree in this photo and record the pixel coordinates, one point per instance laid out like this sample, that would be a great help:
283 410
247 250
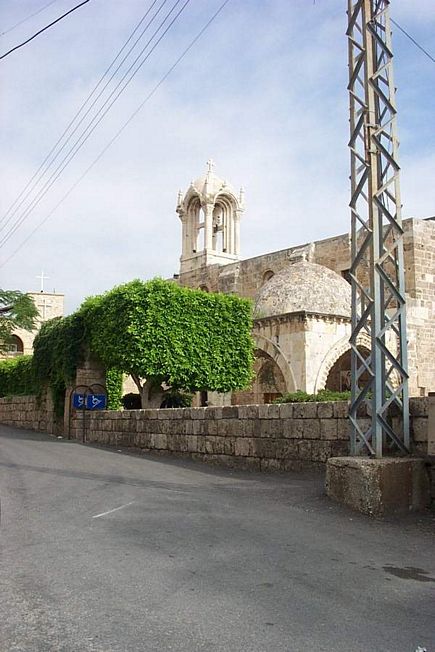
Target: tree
161 333
17 310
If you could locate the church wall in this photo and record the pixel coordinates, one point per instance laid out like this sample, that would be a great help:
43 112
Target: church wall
245 278
420 270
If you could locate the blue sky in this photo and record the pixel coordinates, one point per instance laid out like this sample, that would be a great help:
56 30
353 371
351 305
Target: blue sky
263 93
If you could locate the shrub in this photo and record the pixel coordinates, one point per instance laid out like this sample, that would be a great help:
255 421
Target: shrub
322 395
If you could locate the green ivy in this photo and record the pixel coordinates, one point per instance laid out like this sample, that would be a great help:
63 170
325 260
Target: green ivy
59 348
17 377
114 380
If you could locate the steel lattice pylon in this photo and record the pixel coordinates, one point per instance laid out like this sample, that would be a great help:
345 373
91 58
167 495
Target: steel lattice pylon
379 370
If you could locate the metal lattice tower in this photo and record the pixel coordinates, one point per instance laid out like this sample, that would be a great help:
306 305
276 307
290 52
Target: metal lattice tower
379 375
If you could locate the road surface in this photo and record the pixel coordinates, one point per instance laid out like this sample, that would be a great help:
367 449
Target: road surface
104 551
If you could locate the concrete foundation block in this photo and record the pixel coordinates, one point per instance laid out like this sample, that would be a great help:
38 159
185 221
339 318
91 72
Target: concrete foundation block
378 486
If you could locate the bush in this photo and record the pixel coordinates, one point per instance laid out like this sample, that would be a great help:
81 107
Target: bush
322 395
114 380
174 399
17 377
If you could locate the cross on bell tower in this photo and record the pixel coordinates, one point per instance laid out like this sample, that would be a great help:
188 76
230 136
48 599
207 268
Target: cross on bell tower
210 214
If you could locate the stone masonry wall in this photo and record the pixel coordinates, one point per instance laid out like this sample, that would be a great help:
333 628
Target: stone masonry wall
30 413
263 437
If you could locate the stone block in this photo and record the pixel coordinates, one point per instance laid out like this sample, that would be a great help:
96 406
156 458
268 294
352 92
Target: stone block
321 451
378 486
304 450
192 443
229 445
244 446
248 411
325 410
292 428
213 412
419 429
343 429
305 410
311 428
269 428
286 410
230 412
197 413
418 407
328 429
159 441
211 426
151 413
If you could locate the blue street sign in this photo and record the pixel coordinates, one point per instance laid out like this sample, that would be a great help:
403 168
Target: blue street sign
78 401
96 402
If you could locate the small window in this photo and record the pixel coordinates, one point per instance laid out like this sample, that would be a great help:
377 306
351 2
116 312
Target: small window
268 275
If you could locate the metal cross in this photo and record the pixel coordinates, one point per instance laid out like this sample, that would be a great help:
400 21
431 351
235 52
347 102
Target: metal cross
210 164
42 279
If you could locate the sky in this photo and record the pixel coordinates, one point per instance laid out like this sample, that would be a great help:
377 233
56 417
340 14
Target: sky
262 92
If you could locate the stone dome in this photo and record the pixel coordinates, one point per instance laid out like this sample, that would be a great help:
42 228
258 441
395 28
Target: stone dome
214 184
304 286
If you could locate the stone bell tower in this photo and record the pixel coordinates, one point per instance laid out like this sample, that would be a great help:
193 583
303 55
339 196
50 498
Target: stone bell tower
210 215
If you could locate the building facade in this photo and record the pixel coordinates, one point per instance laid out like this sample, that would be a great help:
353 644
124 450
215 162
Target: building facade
301 295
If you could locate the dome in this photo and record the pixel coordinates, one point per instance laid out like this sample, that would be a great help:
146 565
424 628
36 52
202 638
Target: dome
306 287
214 184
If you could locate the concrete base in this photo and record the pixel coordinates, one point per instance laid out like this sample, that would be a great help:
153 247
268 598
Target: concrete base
378 486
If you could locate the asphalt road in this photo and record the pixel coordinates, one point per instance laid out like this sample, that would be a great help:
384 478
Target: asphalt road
109 552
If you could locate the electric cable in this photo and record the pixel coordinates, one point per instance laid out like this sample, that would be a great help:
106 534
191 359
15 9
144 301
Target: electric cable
46 163
23 20
420 47
118 133
78 145
43 29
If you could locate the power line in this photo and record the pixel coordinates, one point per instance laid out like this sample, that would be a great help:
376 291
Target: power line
40 172
119 132
420 47
20 22
78 145
43 29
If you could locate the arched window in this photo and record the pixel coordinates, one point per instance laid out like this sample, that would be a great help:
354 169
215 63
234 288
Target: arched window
16 346
268 275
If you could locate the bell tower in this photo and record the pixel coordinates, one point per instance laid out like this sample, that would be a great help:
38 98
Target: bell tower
210 214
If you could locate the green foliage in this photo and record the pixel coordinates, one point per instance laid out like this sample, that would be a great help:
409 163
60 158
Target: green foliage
189 339
59 348
114 380
17 377
322 395
17 310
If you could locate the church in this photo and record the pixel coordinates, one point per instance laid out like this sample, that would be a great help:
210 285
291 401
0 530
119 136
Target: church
301 295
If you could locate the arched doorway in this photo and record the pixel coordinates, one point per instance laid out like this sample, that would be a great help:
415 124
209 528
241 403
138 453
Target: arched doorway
269 382
339 376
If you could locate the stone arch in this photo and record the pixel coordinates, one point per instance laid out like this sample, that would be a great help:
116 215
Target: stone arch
337 351
334 354
270 348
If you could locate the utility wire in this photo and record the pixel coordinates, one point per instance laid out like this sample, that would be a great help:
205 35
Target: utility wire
420 47
85 136
43 29
119 132
20 22
47 163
